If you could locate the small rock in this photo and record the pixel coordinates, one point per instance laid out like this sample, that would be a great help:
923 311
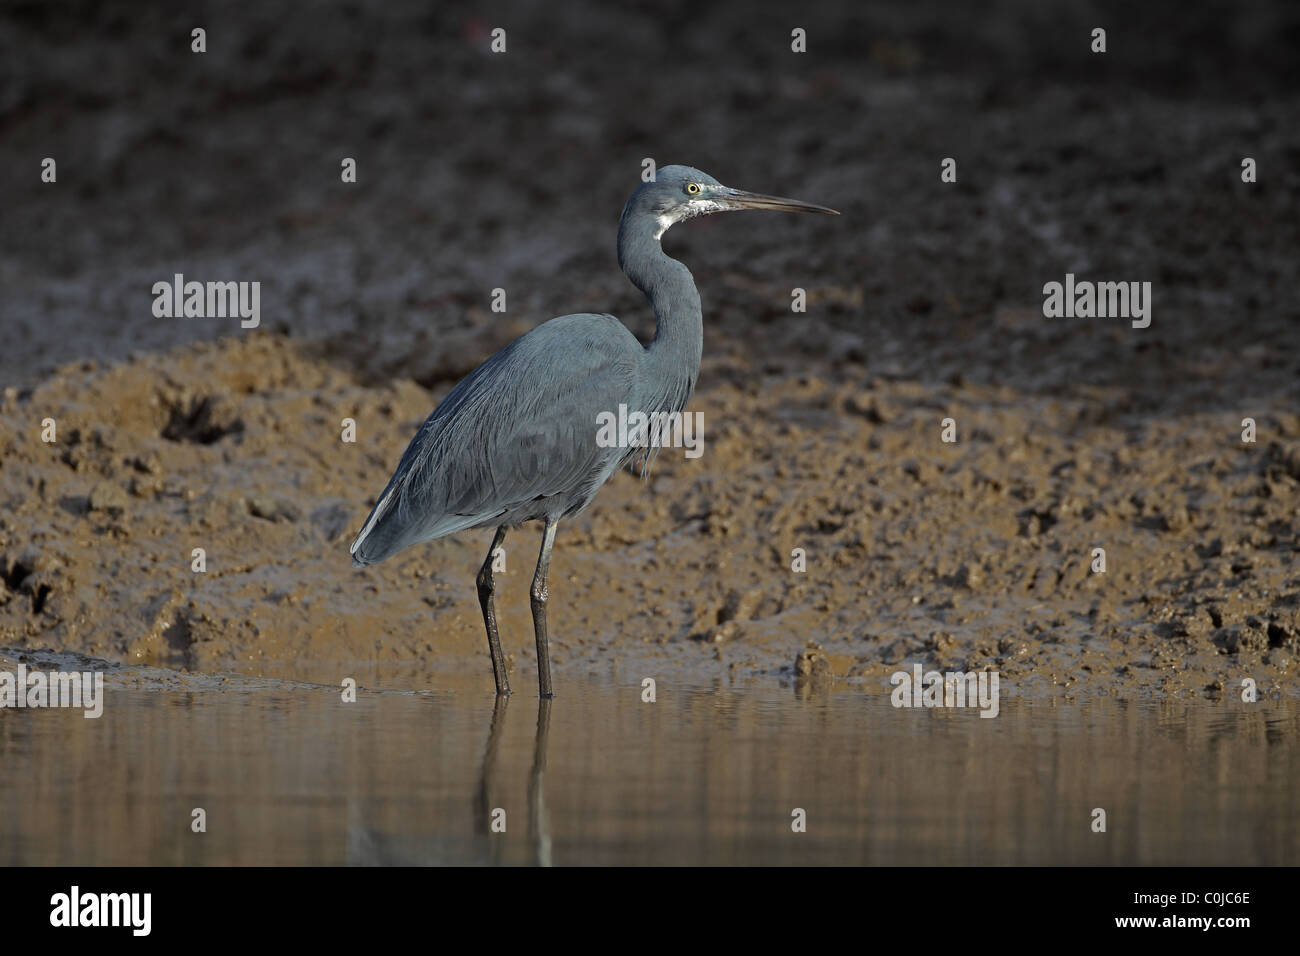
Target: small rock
38 559
813 664
970 576
869 407
273 509
108 496
147 464
727 631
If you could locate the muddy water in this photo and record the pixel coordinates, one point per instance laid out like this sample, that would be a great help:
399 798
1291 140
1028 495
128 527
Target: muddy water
289 774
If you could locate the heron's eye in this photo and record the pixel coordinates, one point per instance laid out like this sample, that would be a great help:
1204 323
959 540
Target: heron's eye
692 188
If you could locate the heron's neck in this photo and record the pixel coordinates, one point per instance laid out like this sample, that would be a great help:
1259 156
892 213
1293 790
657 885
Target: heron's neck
674 355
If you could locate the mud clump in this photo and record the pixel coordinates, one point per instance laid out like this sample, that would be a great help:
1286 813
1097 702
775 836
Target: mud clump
107 496
813 666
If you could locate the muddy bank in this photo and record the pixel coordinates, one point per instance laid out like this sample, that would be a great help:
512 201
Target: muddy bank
966 555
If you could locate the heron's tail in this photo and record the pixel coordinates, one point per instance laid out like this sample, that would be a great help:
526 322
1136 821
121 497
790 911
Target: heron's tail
392 528
372 544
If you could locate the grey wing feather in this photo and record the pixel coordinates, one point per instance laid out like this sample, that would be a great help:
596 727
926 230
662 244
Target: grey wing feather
516 438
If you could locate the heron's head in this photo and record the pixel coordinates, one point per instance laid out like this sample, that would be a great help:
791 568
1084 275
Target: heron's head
682 192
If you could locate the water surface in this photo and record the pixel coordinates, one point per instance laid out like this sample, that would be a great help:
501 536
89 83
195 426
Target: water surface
290 774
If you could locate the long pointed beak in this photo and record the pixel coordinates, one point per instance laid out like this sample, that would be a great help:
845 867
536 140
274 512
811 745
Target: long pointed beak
740 199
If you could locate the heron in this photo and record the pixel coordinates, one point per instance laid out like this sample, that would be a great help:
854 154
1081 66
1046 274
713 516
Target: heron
516 439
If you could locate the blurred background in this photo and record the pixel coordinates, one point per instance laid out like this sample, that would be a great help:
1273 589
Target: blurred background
481 170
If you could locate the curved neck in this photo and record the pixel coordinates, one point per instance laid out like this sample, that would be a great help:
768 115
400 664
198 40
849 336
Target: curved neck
675 353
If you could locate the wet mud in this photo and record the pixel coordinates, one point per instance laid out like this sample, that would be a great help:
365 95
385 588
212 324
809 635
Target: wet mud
968 555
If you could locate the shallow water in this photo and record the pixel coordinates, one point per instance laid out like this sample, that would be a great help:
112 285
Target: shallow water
289 774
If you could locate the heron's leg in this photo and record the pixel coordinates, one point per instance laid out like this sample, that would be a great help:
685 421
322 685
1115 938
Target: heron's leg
486 585
538 595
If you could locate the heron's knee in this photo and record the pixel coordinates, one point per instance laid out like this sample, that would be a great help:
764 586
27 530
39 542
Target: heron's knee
538 594
486 583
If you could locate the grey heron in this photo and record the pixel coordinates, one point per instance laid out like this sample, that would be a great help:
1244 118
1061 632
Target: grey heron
516 439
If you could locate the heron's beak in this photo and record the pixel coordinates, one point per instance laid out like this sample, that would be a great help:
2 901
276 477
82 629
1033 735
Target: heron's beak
740 199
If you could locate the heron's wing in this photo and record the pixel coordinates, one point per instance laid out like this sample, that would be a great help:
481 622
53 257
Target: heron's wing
520 427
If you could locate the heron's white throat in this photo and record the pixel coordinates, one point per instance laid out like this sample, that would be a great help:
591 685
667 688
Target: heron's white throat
696 207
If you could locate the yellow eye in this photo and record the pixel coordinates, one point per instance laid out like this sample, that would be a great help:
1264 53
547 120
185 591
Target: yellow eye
692 188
